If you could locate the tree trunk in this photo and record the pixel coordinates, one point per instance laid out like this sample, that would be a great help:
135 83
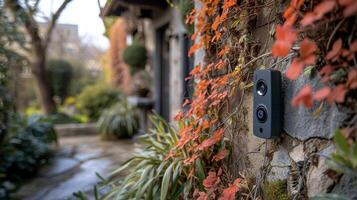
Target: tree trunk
44 90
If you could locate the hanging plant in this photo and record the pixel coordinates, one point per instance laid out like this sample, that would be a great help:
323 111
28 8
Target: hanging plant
135 55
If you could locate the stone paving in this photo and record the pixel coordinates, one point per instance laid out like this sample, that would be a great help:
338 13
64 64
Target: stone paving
74 167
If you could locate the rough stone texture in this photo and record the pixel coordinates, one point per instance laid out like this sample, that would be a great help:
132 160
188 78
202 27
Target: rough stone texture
280 166
316 180
299 121
347 186
297 154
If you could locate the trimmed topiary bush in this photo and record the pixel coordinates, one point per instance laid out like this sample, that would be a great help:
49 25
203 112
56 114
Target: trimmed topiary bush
95 98
135 56
60 73
119 121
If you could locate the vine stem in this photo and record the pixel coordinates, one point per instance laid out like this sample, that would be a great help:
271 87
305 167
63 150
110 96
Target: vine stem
256 58
334 32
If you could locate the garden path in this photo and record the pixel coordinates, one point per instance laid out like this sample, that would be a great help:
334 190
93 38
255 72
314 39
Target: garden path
74 167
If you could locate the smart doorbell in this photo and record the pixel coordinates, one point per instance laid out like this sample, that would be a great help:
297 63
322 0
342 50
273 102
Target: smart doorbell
267 120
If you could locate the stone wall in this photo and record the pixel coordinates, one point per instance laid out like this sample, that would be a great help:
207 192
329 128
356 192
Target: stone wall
298 157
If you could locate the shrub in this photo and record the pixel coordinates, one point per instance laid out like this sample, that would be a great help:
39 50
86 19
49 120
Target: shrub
60 74
95 98
28 146
119 120
135 56
344 160
56 118
152 173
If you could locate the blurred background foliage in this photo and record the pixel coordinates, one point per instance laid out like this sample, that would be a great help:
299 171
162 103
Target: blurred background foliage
60 73
96 98
118 121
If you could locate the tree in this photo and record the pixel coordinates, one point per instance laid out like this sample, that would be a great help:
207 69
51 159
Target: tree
36 52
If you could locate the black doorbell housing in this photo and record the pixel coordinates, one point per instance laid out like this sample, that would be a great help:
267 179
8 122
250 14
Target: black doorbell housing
267 120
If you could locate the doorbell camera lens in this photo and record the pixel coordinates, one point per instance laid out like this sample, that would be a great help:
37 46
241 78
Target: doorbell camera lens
261 88
262 114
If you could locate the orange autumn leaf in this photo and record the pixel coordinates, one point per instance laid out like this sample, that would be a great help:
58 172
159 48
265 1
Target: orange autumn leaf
326 70
297 3
211 180
324 7
195 70
285 36
294 69
229 193
205 124
224 51
350 9
304 97
190 160
322 94
308 19
289 11
220 155
169 155
335 51
319 11
352 79
178 116
193 49
291 20
216 23
187 101
353 46
345 2
337 94
229 3
217 135
307 47
293 8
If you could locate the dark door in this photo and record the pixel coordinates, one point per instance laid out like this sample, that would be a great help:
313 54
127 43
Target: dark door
163 71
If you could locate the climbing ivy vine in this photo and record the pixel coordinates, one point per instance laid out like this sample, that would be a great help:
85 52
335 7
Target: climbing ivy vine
319 36
8 34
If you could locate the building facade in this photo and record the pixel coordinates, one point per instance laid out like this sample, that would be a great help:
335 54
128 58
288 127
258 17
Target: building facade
167 42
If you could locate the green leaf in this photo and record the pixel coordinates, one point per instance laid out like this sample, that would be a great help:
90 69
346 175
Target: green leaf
187 189
199 170
166 182
308 70
124 166
341 143
178 192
